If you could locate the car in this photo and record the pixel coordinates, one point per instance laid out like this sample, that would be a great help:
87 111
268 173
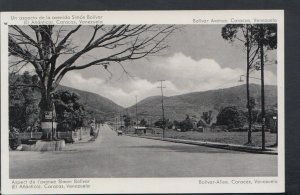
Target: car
119 132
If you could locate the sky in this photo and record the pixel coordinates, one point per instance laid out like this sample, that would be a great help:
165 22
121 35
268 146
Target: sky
197 59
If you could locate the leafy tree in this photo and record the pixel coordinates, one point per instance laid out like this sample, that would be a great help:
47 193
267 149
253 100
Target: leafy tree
175 122
169 124
23 102
143 122
52 54
127 120
186 124
231 117
266 38
255 114
201 123
70 113
245 33
207 117
269 114
161 123
253 38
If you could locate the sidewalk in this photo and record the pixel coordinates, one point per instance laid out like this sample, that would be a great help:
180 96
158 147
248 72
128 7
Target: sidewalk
235 147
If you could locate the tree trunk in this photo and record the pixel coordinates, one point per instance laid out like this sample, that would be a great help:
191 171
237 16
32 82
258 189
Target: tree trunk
262 86
248 90
48 124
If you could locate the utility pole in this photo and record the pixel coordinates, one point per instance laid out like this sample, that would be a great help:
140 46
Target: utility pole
162 105
136 108
262 86
120 119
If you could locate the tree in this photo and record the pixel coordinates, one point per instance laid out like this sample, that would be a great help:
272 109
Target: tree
52 53
143 122
127 120
232 117
254 38
266 38
160 123
207 117
176 124
70 113
23 103
254 111
245 33
269 114
186 124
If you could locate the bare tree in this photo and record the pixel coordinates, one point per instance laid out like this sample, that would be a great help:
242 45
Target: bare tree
52 53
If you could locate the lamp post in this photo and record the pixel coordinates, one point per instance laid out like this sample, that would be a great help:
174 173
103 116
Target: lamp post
249 77
275 121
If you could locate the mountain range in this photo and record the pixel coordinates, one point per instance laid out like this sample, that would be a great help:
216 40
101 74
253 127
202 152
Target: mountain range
99 106
177 107
194 104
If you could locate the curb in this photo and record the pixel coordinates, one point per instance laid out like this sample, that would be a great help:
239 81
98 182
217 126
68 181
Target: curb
234 147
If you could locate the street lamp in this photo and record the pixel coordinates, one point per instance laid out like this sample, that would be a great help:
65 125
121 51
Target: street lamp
275 121
241 80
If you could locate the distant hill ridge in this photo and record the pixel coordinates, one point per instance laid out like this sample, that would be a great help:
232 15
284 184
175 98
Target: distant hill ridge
98 105
193 104
178 106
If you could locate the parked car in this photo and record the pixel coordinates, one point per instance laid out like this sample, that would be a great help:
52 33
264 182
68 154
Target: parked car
119 132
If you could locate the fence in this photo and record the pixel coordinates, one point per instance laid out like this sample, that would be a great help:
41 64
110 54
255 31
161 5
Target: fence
30 135
78 134
81 133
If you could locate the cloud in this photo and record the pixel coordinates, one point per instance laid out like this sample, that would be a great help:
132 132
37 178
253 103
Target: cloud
182 74
190 75
197 75
123 93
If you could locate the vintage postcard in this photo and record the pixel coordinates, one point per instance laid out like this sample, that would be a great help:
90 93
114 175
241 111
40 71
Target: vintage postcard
142 102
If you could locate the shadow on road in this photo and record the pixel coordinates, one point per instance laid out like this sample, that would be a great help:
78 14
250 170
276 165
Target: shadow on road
187 149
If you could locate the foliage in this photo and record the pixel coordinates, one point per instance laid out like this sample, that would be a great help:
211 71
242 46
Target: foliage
143 122
186 124
201 123
169 124
231 116
160 123
207 117
254 115
252 103
70 113
254 38
23 102
269 114
242 32
127 120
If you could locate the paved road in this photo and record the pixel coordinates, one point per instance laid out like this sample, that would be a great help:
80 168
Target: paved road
122 156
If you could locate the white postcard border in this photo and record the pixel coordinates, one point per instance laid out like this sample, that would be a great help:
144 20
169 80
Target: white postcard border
149 185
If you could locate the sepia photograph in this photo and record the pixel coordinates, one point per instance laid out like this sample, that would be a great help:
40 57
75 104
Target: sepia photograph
143 101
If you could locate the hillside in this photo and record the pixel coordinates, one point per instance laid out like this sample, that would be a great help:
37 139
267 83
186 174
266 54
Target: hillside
176 107
99 106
